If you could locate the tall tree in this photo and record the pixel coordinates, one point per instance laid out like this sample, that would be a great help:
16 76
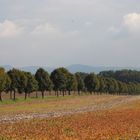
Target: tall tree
8 85
32 84
71 83
102 84
18 81
80 82
92 83
2 81
15 81
59 78
44 81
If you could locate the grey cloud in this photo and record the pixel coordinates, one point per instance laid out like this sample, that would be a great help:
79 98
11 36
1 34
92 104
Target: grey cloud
63 32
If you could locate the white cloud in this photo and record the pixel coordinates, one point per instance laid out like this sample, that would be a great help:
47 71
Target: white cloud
44 29
114 30
52 32
132 21
9 29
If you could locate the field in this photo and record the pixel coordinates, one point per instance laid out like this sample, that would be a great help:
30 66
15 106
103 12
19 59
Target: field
86 117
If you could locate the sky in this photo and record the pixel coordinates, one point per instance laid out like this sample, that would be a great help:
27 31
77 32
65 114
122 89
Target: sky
64 32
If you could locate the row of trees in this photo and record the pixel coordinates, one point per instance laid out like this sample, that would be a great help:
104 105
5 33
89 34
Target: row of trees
99 84
61 81
123 75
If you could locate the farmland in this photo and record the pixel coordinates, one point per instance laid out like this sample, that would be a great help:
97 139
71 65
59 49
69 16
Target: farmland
72 117
69 70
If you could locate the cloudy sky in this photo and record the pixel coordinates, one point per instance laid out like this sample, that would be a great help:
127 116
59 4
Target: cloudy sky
64 32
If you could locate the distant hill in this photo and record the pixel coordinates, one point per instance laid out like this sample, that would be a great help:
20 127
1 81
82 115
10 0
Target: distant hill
84 68
89 69
72 68
33 69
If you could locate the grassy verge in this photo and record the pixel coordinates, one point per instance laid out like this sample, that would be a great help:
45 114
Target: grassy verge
32 99
52 103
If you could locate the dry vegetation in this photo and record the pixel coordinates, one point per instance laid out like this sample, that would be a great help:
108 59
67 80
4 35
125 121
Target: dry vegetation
121 121
52 103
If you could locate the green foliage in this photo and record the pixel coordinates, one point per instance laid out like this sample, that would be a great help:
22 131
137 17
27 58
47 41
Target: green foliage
123 75
8 83
92 83
61 80
32 84
102 84
15 79
44 81
59 77
80 82
2 79
112 85
71 82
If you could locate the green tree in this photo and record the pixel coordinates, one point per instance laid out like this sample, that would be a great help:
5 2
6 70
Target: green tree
2 82
15 81
102 84
115 86
23 81
92 83
59 78
44 81
112 86
18 81
80 82
71 83
32 84
8 85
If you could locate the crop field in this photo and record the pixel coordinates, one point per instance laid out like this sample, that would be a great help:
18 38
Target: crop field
86 117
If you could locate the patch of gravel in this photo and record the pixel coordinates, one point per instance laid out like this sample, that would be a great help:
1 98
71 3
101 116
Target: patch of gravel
102 106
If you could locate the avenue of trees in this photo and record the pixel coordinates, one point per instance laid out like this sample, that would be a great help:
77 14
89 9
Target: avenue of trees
62 82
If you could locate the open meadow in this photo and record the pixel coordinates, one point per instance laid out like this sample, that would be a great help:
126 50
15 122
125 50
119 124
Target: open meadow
85 117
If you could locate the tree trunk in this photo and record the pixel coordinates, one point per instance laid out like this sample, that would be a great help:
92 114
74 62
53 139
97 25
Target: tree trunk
25 95
63 93
10 94
36 94
69 92
50 92
78 92
0 97
57 93
42 94
14 96
29 95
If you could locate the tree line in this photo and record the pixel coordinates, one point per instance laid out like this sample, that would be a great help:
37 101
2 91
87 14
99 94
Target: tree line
123 75
62 82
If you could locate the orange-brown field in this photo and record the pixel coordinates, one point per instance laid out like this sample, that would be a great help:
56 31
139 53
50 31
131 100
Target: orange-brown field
120 122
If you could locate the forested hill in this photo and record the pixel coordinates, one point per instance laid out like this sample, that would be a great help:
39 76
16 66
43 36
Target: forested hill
123 75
